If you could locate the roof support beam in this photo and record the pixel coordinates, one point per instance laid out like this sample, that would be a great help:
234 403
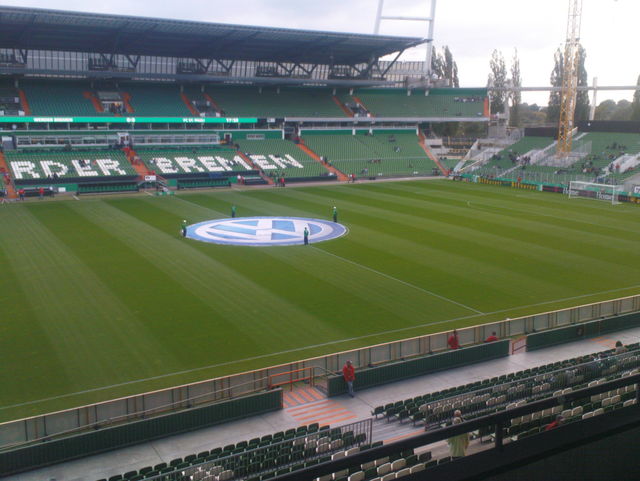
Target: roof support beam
392 63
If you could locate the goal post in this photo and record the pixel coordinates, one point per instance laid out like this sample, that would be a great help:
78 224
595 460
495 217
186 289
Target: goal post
592 190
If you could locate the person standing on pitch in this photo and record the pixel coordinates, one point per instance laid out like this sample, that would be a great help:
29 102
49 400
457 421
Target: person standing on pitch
233 211
306 236
349 375
183 228
335 214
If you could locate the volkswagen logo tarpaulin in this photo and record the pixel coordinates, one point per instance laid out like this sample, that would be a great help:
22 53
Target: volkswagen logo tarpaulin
264 231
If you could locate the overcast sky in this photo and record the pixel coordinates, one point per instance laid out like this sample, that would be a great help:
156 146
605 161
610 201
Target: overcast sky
471 28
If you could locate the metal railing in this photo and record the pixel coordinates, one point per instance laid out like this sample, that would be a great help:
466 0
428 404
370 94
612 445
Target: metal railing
284 454
140 406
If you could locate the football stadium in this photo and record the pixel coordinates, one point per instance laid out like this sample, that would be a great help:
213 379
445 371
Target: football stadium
232 252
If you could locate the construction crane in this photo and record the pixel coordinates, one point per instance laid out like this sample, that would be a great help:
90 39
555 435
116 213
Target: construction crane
569 90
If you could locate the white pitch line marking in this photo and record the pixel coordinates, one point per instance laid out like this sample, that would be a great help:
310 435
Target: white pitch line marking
264 356
408 284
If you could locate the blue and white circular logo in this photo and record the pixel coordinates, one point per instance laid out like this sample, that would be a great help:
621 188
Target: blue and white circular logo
265 231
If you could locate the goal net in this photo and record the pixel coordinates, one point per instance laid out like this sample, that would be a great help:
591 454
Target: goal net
591 190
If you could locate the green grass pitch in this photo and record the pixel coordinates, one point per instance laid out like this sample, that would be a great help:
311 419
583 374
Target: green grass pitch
102 298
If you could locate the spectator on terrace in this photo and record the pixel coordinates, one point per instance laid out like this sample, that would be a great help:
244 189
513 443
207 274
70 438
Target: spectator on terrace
559 420
620 348
491 338
349 375
458 444
453 341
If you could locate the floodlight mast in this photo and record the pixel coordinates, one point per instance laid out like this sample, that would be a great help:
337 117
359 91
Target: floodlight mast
430 20
569 91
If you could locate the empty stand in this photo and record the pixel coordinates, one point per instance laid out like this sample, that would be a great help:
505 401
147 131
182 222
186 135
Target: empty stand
390 154
155 100
468 103
274 102
59 98
277 157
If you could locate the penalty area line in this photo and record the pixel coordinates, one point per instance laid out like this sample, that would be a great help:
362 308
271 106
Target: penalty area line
408 284
315 346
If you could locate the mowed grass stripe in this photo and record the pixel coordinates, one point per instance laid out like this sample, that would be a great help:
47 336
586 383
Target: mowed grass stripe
444 259
351 298
92 333
599 230
503 257
522 249
22 340
557 209
389 290
393 255
234 300
516 227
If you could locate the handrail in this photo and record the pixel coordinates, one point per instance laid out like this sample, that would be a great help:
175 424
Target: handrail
498 420
22 431
141 414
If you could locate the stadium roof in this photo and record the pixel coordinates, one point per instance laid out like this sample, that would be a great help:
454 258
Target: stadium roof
40 29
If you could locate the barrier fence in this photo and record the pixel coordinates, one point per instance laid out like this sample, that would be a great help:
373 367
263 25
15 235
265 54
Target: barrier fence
141 406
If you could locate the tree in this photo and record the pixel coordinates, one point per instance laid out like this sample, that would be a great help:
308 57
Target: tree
444 67
610 110
553 112
635 105
582 99
497 80
557 75
450 68
516 96
436 63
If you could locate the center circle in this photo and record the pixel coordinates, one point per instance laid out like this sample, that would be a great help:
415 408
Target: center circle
264 231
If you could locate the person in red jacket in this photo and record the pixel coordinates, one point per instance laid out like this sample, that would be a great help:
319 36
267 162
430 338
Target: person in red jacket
454 342
491 338
349 374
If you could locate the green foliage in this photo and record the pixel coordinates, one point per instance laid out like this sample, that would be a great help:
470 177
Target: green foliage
611 110
557 74
443 66
635 106
516 96
582 99
497 79
553 112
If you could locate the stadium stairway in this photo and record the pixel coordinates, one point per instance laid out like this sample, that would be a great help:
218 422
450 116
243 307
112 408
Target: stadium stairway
141 167
264 176
340 175
11 191
161 450
189 105
430 154
213 103
24 102
344 108
126 97
94 100
361 104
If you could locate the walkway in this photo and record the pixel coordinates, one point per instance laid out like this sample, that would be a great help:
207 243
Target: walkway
307 408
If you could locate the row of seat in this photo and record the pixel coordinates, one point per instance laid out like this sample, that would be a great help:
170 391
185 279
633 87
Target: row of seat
494 394
58 97
296 443
193 160
79 163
